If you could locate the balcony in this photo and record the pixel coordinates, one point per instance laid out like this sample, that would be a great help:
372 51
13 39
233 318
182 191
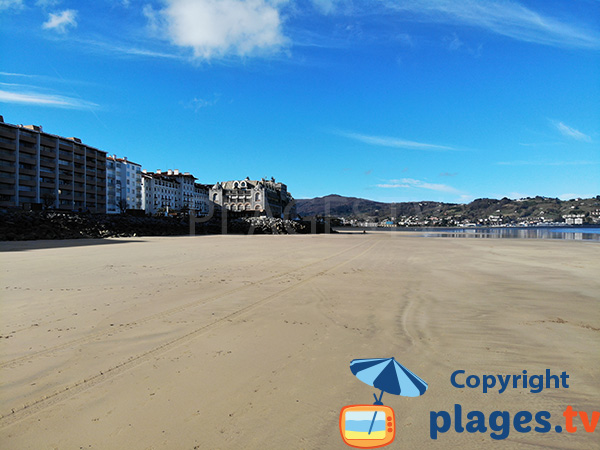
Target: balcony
8 145
47 153
26 137
7 178
26 182
27 159
31 172
8 155
47 141
68 156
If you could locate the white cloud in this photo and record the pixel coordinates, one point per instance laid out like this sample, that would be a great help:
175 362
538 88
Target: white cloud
61 21
8 4
218 28
386 141
507 18
572 132
58 101
412 183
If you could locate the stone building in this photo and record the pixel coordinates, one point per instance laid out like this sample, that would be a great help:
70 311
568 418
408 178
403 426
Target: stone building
123 184
173 191
39 169
264 197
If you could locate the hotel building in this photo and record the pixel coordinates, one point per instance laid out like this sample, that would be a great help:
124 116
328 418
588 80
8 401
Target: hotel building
265 197
172 191
39 169
123 185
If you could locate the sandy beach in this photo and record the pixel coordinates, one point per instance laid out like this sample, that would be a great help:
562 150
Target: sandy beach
234 342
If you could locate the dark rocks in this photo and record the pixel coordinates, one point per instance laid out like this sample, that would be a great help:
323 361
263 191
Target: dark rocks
273 225
33 225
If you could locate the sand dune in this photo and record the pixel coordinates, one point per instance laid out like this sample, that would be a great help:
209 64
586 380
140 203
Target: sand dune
245 342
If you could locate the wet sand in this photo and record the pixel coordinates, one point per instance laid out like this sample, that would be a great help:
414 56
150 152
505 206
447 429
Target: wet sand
245 342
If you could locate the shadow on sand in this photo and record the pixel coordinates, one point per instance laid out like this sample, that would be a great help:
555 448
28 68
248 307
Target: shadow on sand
19 246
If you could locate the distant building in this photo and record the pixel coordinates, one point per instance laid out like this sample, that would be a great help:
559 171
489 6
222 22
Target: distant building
39 169
123 185
574 219
172 191
266 197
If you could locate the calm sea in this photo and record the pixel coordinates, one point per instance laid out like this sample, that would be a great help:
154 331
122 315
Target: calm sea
575 233
568 233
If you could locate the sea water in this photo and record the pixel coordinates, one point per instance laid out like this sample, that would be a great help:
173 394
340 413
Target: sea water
567 233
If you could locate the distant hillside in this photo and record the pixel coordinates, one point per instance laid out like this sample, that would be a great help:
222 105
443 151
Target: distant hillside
352 207
550 209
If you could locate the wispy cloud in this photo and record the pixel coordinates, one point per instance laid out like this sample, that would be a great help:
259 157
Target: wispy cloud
12 74
540 144
200 103
216 29
571 196
572 132
507 18
547 163
325 6
453 42
418 184
46 79
126 50
11 4
392 142
47 3
61 21
57 101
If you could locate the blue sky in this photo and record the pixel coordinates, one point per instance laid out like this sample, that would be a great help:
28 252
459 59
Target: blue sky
443 100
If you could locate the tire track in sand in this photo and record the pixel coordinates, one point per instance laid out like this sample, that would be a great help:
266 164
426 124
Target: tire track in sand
20 413
111 331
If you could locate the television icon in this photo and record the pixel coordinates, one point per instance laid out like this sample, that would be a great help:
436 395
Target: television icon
367 426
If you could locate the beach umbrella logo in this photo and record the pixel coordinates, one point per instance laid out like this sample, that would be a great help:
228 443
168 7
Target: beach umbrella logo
371 426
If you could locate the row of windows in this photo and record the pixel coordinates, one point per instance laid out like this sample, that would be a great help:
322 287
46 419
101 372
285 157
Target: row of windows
241 207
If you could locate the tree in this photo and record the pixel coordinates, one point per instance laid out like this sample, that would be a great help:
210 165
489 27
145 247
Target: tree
48 200
122 204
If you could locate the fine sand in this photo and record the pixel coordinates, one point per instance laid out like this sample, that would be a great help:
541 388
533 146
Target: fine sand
241 342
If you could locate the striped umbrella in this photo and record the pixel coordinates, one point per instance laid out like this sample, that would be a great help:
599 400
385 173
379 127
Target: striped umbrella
389 376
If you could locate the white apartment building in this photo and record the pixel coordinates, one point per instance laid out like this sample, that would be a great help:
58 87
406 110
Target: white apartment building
123 185
172 190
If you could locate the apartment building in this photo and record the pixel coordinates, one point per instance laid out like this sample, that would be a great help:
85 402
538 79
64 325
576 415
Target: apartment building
172 190
253 196
123 185
38 169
